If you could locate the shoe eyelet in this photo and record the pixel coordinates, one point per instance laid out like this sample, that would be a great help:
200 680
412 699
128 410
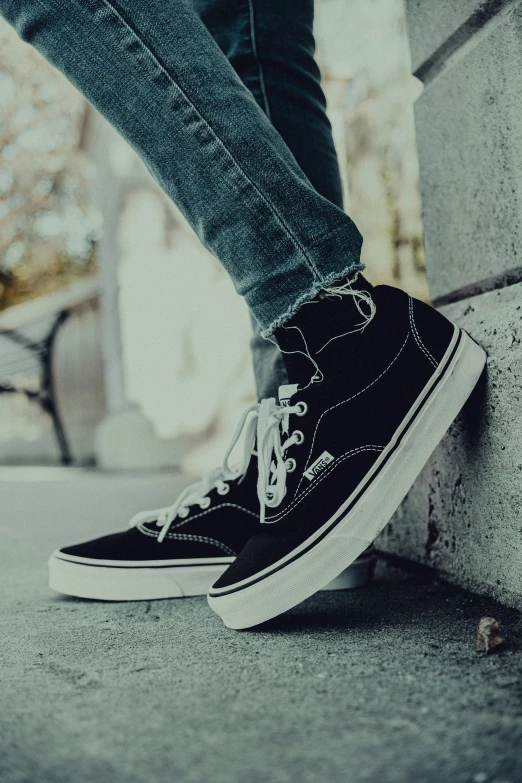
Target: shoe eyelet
290 465
183 512
205 503
303 408
300 437
224 490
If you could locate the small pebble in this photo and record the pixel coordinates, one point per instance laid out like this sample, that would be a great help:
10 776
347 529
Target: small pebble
488 635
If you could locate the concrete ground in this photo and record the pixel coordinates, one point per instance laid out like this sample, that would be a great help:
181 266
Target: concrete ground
382 684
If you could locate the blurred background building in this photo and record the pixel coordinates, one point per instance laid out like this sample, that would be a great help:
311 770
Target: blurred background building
151 366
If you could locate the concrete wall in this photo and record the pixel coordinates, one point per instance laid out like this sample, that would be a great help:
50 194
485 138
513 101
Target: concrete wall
464 514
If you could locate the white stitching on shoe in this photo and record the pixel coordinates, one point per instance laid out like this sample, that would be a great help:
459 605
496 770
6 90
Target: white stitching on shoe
188 519
213 508
330 469
182 522
188 537
203 539
348 400
416 335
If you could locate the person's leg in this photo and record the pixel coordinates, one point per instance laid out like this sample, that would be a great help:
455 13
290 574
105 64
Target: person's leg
384 376
192 557
158 76
270 44
271 47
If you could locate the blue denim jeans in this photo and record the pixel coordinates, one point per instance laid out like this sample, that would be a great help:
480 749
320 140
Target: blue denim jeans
158 72
270 44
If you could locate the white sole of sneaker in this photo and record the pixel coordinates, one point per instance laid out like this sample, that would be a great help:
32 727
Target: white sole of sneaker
128 581
85 578
360 519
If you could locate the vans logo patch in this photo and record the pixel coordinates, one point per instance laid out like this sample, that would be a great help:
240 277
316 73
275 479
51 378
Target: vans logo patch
286 391
318 466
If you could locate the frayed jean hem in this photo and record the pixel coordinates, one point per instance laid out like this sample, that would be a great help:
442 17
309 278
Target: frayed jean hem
307 296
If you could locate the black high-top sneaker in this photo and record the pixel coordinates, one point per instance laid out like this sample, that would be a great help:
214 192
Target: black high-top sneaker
180 550
337 459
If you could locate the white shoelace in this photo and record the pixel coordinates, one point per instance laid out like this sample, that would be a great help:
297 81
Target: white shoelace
272 463
261 421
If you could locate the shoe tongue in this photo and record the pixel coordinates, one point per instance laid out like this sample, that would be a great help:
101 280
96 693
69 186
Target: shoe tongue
286 391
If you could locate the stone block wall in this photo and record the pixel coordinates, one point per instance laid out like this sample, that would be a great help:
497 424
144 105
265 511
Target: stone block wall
464 514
